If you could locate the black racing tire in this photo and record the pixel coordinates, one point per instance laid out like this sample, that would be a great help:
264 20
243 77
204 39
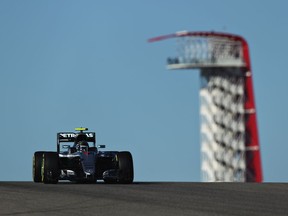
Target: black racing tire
125 165
50 168
36 167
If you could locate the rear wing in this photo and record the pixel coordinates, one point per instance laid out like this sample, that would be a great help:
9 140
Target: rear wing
71 136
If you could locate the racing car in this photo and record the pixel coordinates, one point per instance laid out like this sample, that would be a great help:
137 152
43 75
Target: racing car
78 160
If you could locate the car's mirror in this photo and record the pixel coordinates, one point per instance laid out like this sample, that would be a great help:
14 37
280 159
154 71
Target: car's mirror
101 146
65 146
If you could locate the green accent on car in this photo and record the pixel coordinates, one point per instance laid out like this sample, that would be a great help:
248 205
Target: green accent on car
42 168
81 129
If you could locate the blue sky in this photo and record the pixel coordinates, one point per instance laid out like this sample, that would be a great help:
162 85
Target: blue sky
66 64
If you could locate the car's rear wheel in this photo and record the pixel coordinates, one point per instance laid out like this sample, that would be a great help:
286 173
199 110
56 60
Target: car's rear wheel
36 167
50 170
125 165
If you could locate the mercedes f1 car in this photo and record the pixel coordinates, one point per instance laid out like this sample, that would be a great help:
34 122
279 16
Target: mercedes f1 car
78 160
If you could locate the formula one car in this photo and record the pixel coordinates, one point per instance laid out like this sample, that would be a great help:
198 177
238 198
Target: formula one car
78 160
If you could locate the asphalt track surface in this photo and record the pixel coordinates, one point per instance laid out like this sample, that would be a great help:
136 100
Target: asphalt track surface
144 198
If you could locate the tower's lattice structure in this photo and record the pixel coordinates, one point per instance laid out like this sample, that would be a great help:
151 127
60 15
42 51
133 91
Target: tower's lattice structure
229 135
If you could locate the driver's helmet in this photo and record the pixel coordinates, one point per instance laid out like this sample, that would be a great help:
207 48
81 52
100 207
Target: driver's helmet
80 137
82 146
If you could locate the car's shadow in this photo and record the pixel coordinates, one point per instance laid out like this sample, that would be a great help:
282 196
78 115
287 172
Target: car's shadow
103 183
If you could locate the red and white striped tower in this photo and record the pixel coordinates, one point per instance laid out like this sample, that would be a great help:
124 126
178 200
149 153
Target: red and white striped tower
229 133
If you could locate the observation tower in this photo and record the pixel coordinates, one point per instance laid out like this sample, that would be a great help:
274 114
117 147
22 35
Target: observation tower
229 135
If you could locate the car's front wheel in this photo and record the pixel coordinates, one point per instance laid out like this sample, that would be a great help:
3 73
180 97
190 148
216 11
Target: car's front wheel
50 170
125 165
